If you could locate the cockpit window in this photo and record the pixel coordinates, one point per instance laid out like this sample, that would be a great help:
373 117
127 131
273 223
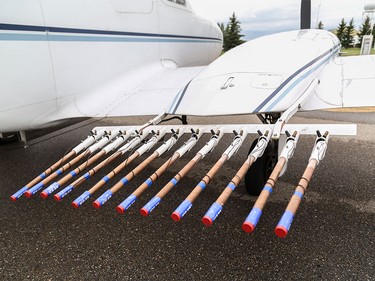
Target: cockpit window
180 2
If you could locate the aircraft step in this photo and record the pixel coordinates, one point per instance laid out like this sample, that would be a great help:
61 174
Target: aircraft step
106 144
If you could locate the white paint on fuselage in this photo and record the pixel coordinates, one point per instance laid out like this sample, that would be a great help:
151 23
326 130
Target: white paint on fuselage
41 71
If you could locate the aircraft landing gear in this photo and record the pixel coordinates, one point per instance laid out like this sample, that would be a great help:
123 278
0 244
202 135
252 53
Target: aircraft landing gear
6 138
261 169
259 172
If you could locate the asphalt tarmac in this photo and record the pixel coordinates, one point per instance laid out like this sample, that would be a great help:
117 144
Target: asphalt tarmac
332 236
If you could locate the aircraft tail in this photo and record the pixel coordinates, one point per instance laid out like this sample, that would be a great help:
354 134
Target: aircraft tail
305 14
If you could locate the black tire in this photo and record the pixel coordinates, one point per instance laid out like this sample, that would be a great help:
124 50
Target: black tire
8 138
260 171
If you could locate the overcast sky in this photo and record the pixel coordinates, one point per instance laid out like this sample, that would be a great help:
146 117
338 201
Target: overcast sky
269 16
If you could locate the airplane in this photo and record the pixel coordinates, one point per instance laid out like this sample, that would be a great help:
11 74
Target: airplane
65 59
69 59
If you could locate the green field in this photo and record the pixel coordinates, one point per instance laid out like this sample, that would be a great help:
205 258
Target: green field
353 52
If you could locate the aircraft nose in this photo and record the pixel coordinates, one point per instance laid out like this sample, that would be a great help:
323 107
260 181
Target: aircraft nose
217 31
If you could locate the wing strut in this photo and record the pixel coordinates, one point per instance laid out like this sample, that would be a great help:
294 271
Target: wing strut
284 118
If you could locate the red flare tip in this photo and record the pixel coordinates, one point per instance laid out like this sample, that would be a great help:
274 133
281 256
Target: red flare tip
96 204
248 227
281 231
176 216
75 205
144 212
120 209
28 194
44 195
207 221
57 197
14 199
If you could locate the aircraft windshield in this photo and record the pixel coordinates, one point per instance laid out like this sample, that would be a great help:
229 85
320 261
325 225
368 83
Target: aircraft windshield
180 2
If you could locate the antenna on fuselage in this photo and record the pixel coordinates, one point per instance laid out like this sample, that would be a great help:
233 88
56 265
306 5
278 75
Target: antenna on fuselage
305 14
317 16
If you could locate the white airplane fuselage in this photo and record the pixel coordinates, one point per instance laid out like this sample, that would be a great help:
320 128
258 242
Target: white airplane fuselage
54 51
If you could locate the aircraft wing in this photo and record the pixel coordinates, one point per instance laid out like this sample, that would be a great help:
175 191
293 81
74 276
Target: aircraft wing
146 91
345 82
253 79
348 82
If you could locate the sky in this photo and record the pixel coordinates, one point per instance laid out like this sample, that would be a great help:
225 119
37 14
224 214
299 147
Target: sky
259 17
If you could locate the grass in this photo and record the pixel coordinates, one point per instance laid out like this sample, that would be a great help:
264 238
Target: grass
364 109
353 52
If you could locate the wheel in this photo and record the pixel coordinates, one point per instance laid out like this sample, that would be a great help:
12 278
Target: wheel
7 138
261 169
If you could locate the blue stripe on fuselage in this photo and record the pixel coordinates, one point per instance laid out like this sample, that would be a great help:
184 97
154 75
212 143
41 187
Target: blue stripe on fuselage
331 51
78 38
130 36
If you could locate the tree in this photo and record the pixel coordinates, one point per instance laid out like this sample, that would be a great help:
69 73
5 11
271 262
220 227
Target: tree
222 27
232 34
320 25
348 34
340 32
365 29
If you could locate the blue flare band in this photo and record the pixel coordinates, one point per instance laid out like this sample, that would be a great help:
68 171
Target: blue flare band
52 188
232 186
202 185
124 181
299 194
268 188
86 176
286 220
35 188
104 197
174 181
183 208
19 193
73 173
214 211
106 179
148 182
82 198
42 176
128 202
254 216
59 172
152 204
65 191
